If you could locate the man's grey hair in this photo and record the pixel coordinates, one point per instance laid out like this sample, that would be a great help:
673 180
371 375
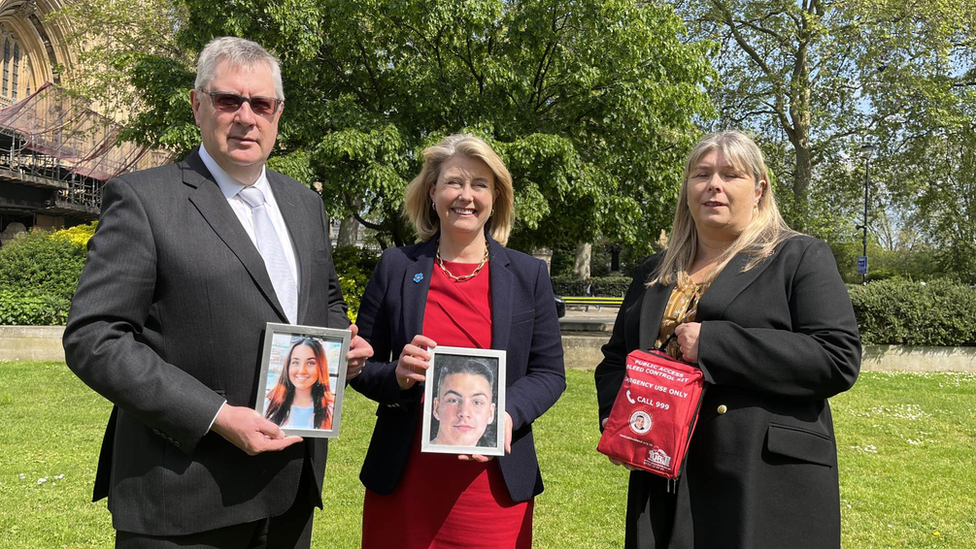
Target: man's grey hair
238 52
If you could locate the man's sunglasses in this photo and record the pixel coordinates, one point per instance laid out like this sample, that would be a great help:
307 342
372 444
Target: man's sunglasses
231 102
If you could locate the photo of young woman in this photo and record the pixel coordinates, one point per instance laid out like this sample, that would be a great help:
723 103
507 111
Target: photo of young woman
301 398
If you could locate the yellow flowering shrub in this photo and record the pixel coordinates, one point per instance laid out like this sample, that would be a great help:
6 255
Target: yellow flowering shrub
77 235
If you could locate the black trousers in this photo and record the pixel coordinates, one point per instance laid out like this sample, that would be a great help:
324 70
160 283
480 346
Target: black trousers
292 530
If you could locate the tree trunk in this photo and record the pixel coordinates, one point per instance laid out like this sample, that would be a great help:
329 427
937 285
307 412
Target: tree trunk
581 267
348 232
349 226
802 122
545 254
801 185
397 229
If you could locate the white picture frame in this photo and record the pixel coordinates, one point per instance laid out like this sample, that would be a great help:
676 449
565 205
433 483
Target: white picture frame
306 347
463 374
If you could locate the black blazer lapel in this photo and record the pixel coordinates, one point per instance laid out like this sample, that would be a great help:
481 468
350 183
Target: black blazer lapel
416 284
501 297
652 311
726 286
212 205
289 203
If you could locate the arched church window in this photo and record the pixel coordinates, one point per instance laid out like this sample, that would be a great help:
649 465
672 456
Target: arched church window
13 86
6 66
16 67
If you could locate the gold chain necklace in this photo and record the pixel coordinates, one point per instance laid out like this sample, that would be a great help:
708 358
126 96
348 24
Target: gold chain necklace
462 278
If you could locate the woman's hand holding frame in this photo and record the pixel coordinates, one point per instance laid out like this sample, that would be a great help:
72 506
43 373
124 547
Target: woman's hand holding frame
414 361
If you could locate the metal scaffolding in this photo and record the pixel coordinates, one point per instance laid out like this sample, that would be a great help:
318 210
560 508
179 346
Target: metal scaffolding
52 139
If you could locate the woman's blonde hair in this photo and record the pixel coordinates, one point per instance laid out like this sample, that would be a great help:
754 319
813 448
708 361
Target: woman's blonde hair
765 231
418 206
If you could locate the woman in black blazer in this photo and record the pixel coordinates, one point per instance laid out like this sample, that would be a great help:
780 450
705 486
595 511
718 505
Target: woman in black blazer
461 205
763 312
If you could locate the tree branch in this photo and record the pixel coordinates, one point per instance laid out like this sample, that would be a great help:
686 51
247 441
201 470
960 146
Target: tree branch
761 63
378 93
367 224
775 35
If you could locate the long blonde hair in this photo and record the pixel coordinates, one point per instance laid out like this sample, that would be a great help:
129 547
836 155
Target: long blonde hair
417 204
765 230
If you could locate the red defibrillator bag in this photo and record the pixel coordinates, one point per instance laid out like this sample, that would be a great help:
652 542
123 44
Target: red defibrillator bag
654 414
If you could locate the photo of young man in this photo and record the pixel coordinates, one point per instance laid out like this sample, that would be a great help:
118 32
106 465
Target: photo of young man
464 406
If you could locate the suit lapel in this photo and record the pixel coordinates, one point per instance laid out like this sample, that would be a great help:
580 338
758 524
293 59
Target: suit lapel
502 282
289 203
727 286
652 311
212 205
416 284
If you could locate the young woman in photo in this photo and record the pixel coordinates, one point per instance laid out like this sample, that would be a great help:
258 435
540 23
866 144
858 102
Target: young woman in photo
301 399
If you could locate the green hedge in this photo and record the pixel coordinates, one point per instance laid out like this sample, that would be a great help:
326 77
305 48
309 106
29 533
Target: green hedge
889 312
38 275
606 286
39 263
901 312
39 272
17 309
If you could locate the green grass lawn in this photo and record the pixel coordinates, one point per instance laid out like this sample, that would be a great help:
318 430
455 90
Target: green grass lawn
906 443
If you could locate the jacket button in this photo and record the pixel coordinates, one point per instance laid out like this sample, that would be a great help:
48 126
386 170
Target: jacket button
722 409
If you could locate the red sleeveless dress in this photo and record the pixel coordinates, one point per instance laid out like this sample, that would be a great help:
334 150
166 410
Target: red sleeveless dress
442 502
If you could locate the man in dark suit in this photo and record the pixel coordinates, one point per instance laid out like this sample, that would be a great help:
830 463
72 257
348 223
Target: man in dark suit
183 273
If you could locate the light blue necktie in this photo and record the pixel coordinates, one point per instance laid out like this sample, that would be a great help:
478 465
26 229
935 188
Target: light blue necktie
271 250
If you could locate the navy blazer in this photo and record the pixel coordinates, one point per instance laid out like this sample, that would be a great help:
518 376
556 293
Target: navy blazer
524 323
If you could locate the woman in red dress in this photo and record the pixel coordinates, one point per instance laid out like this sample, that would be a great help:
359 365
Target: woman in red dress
458 287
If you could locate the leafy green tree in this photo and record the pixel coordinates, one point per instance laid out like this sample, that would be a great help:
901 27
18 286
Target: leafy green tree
112 37
785 70
926 161
815 78
939 193
591 103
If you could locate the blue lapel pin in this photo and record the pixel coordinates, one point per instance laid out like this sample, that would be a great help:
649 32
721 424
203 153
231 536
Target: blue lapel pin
417 278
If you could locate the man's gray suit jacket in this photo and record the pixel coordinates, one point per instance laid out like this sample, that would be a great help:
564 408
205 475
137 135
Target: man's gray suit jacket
168 321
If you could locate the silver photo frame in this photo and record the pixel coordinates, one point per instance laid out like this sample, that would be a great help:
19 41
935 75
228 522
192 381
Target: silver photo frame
464 402
294 362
